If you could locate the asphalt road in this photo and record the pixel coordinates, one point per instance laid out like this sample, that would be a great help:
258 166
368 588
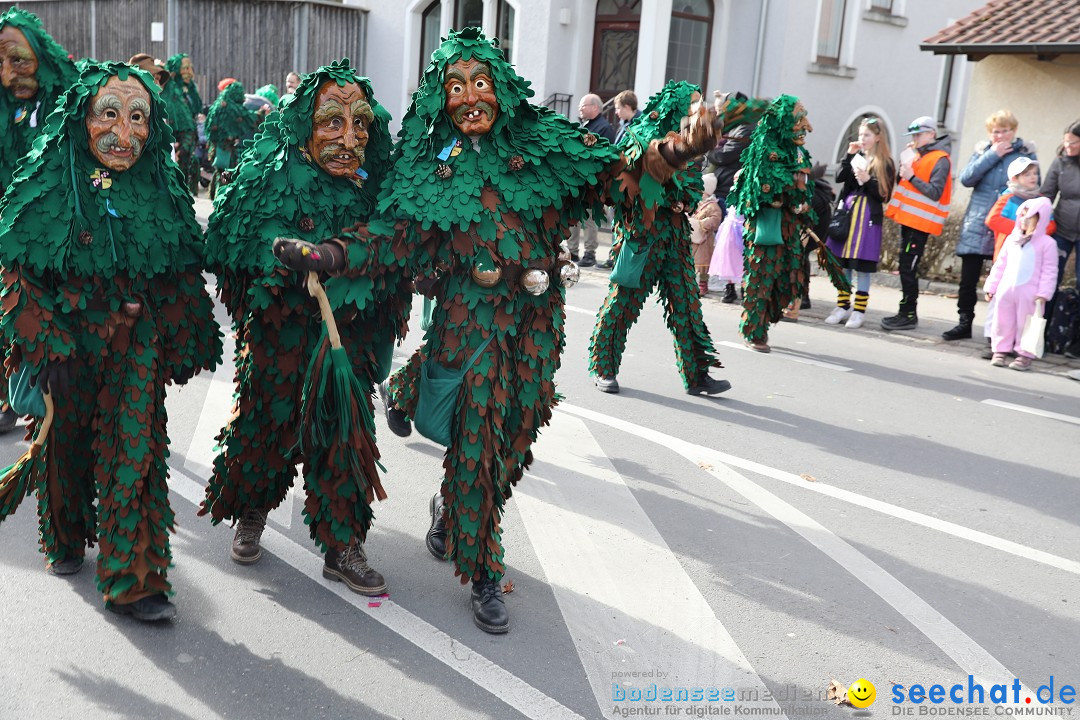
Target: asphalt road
858 505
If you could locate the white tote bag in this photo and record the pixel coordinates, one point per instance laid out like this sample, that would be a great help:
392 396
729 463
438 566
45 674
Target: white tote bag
1033 338
697 232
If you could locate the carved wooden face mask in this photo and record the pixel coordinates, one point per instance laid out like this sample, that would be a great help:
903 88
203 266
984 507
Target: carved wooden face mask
118 123
339 128
187 70
802 125
18 64
470 97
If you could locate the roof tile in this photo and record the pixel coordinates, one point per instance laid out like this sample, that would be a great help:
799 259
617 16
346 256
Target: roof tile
1014 25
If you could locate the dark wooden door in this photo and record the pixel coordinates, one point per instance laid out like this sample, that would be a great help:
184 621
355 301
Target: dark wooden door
615 46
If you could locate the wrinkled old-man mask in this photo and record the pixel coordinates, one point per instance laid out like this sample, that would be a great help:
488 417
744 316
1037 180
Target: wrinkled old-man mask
18 64
187 70
339 128
470 97
118 123
802 125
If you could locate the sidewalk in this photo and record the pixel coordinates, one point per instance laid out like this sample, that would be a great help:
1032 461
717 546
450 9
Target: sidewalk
937 313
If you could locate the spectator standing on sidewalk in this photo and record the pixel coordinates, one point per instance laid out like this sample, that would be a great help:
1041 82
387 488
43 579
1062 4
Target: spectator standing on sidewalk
626 110
920 205
987 173
1062 184
589 110
868 175
726 158
707 218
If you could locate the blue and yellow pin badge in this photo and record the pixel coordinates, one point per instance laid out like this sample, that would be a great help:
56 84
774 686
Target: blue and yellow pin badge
21 113
451 150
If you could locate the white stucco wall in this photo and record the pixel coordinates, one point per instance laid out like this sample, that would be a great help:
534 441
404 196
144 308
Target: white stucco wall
889 74
1033 90
884 70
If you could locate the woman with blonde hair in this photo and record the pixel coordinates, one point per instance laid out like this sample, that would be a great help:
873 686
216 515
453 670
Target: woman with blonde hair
868 175
987 173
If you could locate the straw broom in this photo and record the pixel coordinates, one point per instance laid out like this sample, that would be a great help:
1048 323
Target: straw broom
18 480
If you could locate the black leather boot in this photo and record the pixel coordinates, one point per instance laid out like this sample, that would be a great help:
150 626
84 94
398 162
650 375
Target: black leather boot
396 419
708 386
149 609
488 608
436 536
963 330
729 294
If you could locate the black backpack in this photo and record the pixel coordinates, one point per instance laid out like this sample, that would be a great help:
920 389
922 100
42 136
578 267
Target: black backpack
1063 325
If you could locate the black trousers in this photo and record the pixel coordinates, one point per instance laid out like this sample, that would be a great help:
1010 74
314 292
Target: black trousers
971 267
912 246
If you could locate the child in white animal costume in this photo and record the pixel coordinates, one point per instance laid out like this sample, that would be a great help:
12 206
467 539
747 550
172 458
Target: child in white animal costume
1025 271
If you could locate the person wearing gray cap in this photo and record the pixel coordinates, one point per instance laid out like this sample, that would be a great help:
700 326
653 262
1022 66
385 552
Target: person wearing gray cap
920 205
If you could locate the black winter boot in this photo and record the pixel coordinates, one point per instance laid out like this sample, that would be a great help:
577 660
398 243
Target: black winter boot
489 610
963 330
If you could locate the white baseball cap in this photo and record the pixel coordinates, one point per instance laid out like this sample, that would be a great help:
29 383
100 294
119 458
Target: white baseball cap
1019 165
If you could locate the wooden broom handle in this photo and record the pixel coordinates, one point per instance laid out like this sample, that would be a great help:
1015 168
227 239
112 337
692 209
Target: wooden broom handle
315 289
46 422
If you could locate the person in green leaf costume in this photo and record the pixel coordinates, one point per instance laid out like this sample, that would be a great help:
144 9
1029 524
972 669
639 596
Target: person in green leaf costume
181 95
314 169
651 221
484 188
105 304
35 71
228 124
773 193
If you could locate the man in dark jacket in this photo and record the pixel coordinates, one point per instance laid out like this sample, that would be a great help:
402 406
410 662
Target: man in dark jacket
626 110
589 110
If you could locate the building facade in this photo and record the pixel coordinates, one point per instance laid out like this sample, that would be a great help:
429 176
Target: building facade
845 58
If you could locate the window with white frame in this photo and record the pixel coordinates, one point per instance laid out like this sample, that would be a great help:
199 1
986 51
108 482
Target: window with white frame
468 13
882 6
430 35
688 41
830 31
504 29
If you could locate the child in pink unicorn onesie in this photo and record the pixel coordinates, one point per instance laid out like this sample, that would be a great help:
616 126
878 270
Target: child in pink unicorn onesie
1025 272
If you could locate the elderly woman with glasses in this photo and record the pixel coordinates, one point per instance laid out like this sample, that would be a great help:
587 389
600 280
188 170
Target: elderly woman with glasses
987 174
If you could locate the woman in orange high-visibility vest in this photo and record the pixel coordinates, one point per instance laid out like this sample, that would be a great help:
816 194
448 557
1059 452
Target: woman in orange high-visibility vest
920 204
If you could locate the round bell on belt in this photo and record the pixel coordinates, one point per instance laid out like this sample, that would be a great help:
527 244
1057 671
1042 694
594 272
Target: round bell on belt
535 281
569 274
486 275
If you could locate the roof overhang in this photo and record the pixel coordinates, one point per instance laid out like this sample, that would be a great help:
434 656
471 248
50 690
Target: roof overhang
977 51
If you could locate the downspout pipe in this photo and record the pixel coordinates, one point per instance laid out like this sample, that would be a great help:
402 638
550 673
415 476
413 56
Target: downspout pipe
760 53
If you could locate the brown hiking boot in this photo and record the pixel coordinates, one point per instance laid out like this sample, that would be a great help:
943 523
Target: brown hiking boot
245 545
351 568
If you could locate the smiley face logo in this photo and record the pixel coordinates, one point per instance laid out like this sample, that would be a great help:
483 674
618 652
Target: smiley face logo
862 693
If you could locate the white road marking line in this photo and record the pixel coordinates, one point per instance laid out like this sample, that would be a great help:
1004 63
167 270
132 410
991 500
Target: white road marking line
581 311
1033 411
500 683
885 508
971 657
216 410
790 356
594 540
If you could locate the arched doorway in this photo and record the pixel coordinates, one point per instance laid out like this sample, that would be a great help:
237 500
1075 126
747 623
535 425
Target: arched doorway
615 47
